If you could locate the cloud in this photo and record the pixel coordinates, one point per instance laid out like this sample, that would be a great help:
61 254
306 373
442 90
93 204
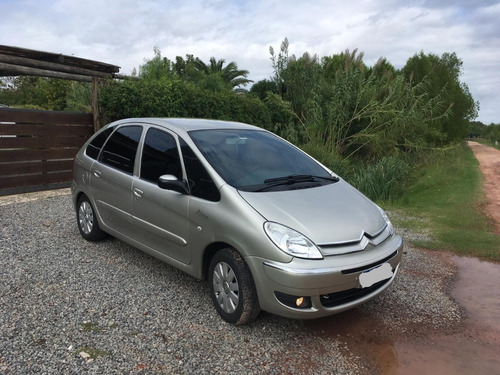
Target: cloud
124 32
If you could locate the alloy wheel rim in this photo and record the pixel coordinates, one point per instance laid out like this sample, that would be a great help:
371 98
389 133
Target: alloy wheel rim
226 287
86 217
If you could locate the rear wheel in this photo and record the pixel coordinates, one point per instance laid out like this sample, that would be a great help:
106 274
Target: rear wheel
232 288
87 221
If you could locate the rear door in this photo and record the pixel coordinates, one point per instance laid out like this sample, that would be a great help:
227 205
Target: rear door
111 178
160 216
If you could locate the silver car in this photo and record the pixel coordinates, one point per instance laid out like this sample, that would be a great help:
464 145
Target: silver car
265 224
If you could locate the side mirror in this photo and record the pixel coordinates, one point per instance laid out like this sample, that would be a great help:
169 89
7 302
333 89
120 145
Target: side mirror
170 182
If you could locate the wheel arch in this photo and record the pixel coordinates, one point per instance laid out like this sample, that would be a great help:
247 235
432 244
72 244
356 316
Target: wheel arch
209 253
77 197
232 289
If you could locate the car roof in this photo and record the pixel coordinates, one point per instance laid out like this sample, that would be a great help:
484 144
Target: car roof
187 124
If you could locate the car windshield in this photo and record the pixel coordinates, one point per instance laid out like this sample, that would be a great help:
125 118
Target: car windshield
254 160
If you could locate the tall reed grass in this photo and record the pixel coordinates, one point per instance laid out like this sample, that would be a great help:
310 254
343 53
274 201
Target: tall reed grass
383 180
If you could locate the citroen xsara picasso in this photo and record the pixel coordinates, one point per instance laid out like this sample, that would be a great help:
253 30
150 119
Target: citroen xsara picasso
268 226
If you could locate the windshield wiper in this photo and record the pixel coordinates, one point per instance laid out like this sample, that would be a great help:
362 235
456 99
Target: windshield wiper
293 179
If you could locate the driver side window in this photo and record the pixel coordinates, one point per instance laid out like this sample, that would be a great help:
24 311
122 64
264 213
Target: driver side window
200 183
159 156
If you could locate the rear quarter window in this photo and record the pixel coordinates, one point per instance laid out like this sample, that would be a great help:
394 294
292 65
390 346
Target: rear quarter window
94 147
119 152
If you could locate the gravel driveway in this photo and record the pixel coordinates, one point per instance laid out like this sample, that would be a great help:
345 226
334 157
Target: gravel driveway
68 306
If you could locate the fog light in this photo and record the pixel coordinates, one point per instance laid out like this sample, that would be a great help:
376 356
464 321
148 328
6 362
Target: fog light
294 302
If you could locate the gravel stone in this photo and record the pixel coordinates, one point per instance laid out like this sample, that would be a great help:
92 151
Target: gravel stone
69 306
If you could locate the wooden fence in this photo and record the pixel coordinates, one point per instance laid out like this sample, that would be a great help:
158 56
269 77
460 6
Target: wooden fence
37 148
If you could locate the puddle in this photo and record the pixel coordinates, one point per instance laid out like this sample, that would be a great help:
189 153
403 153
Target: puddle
387 359
478 290
464 354
365 336
473 351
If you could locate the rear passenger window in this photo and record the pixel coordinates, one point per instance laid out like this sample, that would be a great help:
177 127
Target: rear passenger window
160 156
121 148
95 145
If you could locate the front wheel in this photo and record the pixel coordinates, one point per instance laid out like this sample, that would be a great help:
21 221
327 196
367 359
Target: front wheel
232 288
87 221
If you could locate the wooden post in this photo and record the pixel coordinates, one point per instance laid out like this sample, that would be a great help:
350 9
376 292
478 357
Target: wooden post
95 103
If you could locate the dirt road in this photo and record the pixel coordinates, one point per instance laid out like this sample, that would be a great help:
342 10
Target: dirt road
489 162
473 349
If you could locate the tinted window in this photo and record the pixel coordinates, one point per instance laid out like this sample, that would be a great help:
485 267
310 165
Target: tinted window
95 145
121 148
200 183
160 156
248 159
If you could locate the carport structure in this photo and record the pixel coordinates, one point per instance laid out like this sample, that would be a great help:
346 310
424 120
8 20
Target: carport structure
15 61
37 147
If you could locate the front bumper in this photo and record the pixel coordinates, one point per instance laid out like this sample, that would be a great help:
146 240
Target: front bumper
331 285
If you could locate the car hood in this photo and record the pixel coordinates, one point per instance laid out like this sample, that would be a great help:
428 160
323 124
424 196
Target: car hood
330 214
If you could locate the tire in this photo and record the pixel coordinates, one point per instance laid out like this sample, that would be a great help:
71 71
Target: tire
87 221
232 288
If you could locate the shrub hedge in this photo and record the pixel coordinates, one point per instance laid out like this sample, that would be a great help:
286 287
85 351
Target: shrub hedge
165 98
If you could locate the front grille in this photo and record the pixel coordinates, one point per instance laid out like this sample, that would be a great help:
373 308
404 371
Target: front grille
365 242
369 266
346 296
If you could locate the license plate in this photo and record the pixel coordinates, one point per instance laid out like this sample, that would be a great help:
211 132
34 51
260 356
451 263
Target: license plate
374 275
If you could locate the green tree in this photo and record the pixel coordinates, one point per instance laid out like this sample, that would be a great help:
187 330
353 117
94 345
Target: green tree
491 132
279 63
35 92
186 70
79 97
443 74
346 108
229 75
303 81
383 69
156 68
263 87
477 129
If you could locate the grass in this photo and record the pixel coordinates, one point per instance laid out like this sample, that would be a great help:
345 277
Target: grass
486 142
93 353
89 326
382 180
95 327
446 201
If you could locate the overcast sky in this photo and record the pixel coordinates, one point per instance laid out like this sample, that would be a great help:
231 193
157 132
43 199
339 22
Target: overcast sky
124 32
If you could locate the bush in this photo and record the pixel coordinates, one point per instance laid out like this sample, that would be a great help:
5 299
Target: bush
336 163
383 180
164 98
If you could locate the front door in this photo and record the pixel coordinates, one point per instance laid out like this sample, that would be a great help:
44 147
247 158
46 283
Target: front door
159 215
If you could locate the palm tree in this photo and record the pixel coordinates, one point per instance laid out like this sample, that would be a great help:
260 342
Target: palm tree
230 74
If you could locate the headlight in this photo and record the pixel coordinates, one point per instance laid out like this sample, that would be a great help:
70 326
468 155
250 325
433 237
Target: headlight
292 242
387 220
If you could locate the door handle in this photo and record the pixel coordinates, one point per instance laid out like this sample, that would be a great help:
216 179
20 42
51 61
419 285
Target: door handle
97 173
138 193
